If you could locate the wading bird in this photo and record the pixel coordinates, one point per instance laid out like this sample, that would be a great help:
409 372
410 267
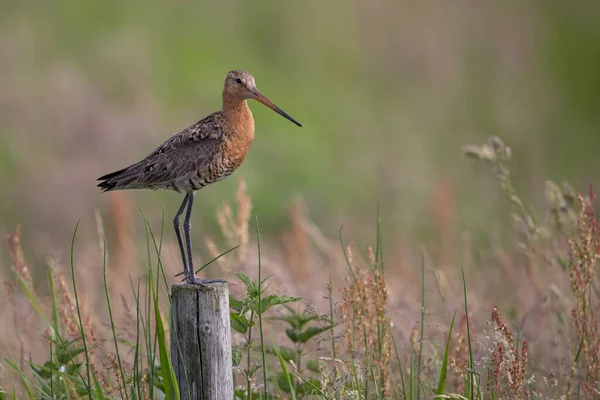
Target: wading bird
206 152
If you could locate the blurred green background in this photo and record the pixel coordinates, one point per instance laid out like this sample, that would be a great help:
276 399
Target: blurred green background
388 93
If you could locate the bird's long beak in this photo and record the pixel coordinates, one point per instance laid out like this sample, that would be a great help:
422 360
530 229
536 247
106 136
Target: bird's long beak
260 97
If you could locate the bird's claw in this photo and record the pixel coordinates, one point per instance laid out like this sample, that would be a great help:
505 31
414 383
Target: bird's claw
193 280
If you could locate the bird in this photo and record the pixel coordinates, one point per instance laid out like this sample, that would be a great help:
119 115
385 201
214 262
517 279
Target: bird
206 152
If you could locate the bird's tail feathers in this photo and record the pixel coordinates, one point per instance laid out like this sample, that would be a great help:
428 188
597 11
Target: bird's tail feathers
121 179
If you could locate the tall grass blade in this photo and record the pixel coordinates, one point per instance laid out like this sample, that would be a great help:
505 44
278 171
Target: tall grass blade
260 312
354 373
157 249
54 305
399 364
99 394
112 322
54 328
87 357
379 246
45 388
332 329
411 376
422 326
216 258
26 382
441 388
285 371
316 389
374 379
136 366
346 254
53 333
151 349
166 368
471 365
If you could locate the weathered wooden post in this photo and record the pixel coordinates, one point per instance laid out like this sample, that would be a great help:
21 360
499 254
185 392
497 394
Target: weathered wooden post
201 341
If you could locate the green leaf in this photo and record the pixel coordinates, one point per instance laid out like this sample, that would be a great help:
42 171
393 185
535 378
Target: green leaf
236 357
45 388
293 319
235 303
282 382
313 365
312 386
247 281
442 382
45 371
65 355
240 394
287 353
239 323
311 331
292 334
274 300
315 386
298 321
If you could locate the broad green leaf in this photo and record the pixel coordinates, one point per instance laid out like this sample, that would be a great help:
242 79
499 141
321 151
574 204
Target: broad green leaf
311 331
45 388
239 323
313 386
313 365
244 278
236 357
292 334
292 319
273 300
442 382
64 358
46 370
282 382
287 353
235 303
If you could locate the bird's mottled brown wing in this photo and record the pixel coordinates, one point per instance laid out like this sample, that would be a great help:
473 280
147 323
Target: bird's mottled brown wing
177 164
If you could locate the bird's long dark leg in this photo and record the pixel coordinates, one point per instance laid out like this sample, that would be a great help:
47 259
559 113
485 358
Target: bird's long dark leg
187 228
177 226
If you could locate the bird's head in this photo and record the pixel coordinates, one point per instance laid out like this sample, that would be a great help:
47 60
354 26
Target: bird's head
240 85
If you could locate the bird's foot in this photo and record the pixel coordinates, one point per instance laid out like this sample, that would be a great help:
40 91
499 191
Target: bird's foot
194 280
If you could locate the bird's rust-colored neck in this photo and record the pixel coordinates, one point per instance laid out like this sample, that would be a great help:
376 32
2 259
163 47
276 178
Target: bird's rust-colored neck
235 109
240 132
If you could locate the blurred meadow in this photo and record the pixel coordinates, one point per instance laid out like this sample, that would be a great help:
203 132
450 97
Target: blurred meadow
388 92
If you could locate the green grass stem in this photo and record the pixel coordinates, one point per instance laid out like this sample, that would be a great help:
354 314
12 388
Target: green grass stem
112 322
87 358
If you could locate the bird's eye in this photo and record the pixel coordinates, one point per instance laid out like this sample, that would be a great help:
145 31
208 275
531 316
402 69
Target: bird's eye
238 81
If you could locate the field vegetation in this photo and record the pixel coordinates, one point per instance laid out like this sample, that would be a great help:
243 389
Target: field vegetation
372 334
418 235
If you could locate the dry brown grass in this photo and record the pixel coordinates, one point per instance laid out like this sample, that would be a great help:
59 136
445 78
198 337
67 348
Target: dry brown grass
370 306
508 362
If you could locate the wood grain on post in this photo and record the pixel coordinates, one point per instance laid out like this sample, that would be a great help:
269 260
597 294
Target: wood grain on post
201 341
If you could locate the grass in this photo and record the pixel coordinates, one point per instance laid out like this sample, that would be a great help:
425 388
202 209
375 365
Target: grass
285 347
147 75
